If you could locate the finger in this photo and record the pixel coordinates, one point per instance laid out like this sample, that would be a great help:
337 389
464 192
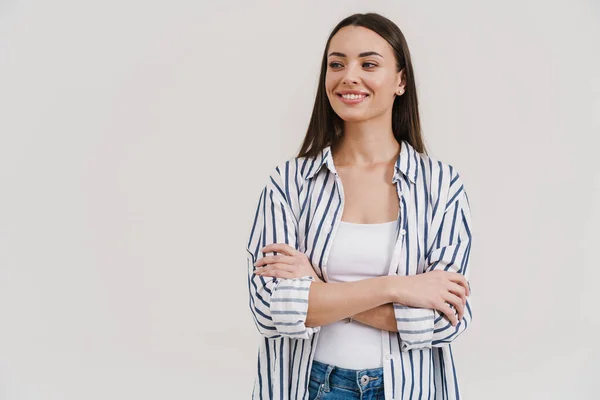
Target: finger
448 312
459 291
279 247
274 259
448 319
276 273
460 279
274 267
456 302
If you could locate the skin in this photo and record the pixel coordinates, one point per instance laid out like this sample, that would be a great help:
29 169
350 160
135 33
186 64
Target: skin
359 59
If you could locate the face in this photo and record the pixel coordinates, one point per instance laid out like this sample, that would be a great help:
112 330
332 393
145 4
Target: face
361 66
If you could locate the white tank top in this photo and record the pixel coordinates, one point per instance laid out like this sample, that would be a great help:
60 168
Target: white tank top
359 251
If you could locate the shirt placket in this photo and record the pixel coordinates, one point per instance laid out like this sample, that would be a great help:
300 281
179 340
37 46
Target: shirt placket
331 229
333 224
388 357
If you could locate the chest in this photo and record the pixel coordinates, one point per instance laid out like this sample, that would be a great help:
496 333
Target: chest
327 198
369 197
365 200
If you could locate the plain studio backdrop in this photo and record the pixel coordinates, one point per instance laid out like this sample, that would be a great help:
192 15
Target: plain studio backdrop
136 137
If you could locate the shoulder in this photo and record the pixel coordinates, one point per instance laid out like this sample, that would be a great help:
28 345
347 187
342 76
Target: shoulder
440 178
433 168
287 178
295 169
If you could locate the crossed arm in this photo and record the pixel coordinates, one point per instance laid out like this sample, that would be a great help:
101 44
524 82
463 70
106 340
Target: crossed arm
296 306
381 317
331 302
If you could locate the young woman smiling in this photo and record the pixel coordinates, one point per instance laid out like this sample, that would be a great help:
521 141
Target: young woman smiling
358 256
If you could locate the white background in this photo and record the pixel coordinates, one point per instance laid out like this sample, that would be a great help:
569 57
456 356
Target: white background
136 136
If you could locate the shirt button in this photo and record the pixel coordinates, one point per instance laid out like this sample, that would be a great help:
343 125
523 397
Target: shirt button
402 232
388 357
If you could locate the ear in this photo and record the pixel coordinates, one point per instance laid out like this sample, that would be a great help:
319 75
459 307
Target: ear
401 86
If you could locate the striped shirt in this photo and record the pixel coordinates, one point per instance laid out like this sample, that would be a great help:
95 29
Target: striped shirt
301 205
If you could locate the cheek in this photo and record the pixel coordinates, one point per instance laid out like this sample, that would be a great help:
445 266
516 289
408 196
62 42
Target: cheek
384 93
379 85
330 83
330 86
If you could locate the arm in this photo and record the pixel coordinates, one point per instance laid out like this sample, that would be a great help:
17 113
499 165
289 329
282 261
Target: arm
280 307
334 301
381 317
426 328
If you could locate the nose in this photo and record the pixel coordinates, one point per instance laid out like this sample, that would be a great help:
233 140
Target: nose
350 80
351 76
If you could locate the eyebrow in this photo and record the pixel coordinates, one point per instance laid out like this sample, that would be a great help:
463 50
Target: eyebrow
364 54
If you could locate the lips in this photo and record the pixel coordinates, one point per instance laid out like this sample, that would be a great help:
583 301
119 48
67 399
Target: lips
357 92
352 96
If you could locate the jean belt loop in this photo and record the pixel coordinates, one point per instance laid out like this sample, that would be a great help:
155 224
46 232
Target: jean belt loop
330 368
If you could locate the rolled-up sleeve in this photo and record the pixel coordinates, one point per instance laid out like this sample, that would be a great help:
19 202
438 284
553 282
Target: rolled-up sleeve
279 306
426 328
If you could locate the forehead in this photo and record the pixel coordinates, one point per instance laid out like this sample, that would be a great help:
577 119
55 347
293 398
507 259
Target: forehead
352 40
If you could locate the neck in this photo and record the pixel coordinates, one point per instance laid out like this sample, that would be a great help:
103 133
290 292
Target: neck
364 144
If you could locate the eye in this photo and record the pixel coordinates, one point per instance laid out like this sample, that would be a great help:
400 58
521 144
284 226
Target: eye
335 64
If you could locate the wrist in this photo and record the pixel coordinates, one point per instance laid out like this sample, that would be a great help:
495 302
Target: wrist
392 288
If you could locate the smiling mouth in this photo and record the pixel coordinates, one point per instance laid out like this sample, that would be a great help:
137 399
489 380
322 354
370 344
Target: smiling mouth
352 96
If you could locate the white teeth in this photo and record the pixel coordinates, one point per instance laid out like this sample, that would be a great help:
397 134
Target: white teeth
353 96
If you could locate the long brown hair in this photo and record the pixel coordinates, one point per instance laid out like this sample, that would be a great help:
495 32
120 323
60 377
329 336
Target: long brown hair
326 127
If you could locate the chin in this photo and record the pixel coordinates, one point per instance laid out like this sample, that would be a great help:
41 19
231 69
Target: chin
352 117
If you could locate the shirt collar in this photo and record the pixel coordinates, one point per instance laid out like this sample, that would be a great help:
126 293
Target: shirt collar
406 163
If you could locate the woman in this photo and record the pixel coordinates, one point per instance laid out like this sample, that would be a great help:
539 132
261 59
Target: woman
359 250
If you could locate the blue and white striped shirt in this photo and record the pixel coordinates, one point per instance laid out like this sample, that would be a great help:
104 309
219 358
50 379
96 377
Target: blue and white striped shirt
301 205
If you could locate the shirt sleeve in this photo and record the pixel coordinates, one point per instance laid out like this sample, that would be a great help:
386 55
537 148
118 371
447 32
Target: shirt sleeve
279 306
426 328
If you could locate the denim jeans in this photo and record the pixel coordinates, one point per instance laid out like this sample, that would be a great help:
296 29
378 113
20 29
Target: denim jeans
328 382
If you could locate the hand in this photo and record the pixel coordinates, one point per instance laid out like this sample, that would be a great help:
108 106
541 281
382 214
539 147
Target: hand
290 263
438 290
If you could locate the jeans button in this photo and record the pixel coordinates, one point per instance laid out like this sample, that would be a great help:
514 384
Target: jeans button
364 379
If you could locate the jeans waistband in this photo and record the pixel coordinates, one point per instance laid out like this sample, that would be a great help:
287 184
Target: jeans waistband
358 380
